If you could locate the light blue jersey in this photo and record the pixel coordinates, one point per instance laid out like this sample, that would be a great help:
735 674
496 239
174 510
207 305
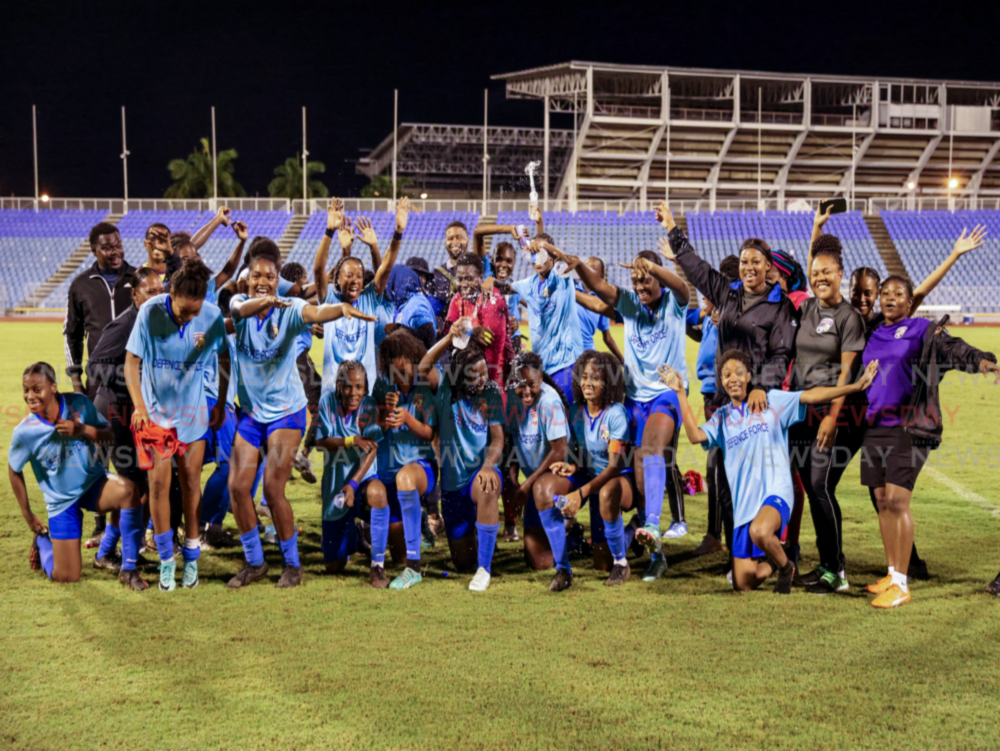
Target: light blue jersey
384 315
653 337
513 300
304 342
465 433
339 465
64 467
212 293
552 321
590 322
270 387
755 450
533 429
350 339
594 435
400 446
174 359
212 375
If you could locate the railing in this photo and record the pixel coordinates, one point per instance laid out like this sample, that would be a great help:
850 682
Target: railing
121 206
932 203
701 115
772 118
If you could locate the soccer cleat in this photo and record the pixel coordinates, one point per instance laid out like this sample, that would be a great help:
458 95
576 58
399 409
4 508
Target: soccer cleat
917 570
270 535
148 542
190 580
247 575
168 573
786 576
405 580
657 568
676 530
377 577
291 576
481 581
994 587
709 545
811 579
880 586
217 537
562 580
649 538
303 466
510 533
107 563
893 597
133 581
828 583
35 555
619 575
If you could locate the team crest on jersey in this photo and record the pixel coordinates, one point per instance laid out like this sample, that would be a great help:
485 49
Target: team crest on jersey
418 402
199 339
481 408
605 433
901 332
824 326
273 329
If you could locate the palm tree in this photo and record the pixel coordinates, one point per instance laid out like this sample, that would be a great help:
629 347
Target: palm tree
193 176
381 187
287 182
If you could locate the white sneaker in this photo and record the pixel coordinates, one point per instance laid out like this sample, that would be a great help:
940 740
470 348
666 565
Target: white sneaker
729 576
676 530
480 581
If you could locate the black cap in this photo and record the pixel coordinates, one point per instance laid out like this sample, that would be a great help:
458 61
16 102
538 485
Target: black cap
418 264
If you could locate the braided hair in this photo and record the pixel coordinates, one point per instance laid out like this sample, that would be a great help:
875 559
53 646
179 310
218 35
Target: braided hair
343 374
532 361
335 274
41 368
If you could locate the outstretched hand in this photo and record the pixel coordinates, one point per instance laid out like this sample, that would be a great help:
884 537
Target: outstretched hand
364 231
223 215
868 376
822 218
348 311
663 245
402 214
671 378
988 368
640 264
975 240
335 214
346 234
664 216
240 228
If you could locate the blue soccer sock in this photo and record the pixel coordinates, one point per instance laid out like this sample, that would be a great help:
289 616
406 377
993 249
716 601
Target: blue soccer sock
409 503
191 550
554 524
380 534
131 529
615 532
215 496
45 554
252 549
655 475
290 550
165 546
110 540
486 535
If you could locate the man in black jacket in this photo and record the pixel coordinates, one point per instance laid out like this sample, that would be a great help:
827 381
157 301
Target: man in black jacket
754 317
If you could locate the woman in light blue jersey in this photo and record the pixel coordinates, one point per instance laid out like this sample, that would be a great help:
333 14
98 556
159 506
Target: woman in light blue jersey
353 339
175 339
272 411
654 313
471 423
57 439
755 453
538 421
406 462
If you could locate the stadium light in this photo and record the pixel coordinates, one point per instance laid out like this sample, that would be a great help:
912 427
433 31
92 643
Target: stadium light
953 183
45 197
423 196
911 185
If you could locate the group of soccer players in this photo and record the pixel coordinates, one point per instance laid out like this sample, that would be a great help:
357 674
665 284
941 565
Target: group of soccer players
432 414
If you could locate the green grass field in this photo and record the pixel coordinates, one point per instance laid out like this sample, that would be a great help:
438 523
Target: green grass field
682 663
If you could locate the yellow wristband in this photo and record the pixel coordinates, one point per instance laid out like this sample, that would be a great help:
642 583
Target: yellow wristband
349 441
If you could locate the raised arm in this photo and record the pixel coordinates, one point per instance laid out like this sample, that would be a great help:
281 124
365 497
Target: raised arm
480 232
200 237
707 280
331 312
962 246
535 214
382 272
605 291
823 394
233 262
818 221
429 360
664 276
594 305
334 222
364 232
673 379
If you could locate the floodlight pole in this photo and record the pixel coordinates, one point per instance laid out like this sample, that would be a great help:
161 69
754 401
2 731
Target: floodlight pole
666 174
34 136
854 149
486 122
124 156
951 144
395 139
545 158
215 168
305 162
760 118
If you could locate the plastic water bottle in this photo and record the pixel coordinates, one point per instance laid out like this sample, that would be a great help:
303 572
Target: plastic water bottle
462 340
561 502
561 269
522 236
339 500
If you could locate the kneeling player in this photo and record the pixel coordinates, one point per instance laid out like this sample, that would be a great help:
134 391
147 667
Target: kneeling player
755 451
57 439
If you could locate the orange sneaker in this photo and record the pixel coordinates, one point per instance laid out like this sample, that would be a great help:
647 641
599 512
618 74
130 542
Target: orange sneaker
891 598
880 586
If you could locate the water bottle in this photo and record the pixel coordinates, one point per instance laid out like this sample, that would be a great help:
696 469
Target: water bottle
561 502
462 340
561 269
339 500
522 236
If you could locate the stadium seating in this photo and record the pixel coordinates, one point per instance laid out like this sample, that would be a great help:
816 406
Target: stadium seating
34 243
925 238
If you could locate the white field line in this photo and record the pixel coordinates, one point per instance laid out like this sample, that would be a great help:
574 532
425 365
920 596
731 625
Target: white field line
961 491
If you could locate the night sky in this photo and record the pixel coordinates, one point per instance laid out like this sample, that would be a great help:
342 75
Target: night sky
169 62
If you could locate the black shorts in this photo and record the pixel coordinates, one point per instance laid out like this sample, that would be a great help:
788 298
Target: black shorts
888 455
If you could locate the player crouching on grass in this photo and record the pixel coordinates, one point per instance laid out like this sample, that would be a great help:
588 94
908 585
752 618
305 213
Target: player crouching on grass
754 446
58 439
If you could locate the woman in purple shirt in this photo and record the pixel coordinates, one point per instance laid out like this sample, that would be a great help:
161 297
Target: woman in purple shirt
904 420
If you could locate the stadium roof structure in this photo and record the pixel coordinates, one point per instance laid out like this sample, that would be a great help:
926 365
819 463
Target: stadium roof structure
451 156
704 133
